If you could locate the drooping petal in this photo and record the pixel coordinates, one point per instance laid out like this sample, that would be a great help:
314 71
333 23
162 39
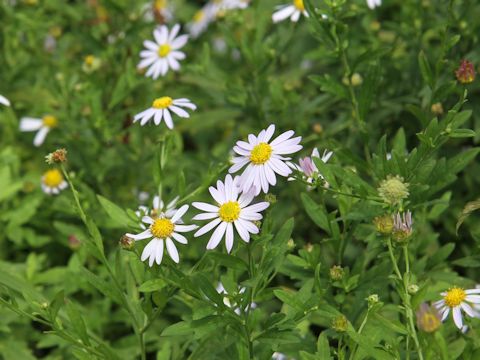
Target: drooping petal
217 236
172 250
457 317
40 136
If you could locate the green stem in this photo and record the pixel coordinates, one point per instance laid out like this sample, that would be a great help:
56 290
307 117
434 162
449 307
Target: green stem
360 329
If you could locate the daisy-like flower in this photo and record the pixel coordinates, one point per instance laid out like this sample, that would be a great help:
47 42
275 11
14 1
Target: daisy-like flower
231 210
4 101
264 159
457 299
164 53
158 210
43 126
163 229
202 19
372 4
308 168
53 182
292 11
161 108
159 10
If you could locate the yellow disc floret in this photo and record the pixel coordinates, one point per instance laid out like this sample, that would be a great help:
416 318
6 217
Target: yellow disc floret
230 211
454 297
89 60
52 178
199 15
162 103
261 153
164 50
162 228
50 121
299 5
429 322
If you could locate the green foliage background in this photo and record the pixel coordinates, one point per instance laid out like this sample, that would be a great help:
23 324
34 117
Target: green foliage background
99 301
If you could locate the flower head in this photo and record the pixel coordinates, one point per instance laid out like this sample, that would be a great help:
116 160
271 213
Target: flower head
91 63
53 182
393 190
340 323
58 156
402 226
231 210
164 53
159 209
263 159
292 11
336 272
161 108
308 168
162 229
43 126
457 299
428 318
466 72
383 224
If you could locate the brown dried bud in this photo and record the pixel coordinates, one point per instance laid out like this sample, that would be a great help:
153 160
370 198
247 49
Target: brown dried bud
465 72
56 157
126 243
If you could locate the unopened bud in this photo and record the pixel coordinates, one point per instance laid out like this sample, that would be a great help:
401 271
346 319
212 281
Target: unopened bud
270 198
412 289
291 244
437 108
317 128
393 189
126 243
340 324
356 79
383 224
372 300
56 157
336 272
73 242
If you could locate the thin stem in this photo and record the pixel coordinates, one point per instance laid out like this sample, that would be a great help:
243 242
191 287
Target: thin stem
360 329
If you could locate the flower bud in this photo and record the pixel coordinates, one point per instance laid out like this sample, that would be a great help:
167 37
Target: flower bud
437 108
393 190
126 243
466 72
356 79
317 128
291 244
73 242
270 198
372 300
383 224
340 323
412 289
402 227
336 272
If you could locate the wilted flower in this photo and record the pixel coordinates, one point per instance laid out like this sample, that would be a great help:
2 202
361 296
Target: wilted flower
159 10
428 318
383 224
264 159
161 108
164 53
53 182
402 226
56 157
292 11
43 125
457 299
465 72
161 230
232 209
336 272
340 323
393 189
126 242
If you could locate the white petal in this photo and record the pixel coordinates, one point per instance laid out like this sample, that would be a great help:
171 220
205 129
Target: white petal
205 207
295 16
468 309
179 42
150 45
158 117
4 100
173 63
208 227
217 236
205 216
40 136
180 212
172 250
256 207
217 195
242 231
143 235
161 35
445 313
180 238
283 13
180 112
147 220
30 124
173 32
457 317
282 137
159 252
229 237
168 118
185 228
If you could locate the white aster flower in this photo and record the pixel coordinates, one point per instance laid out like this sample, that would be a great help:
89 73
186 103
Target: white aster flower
372 4
292 11
53 182
164 53
161 108
158 9
161 230
158 210
43 126
230 210
308 168
263 159
202 19
457 299
4 101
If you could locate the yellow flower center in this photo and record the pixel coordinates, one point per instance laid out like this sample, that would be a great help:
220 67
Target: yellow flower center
89 60
199 15
162 228
454 297
163 102
429 322
230 211
160 4
164 50
52 178
299 5
261 153
50 121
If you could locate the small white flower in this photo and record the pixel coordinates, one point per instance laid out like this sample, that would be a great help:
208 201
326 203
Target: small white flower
158 210
234 4
164 53
292 11
161 108
372 4
4 101
162 229
43 126
457 299
226 298
160 9
230 210
53 182
264 159
202 19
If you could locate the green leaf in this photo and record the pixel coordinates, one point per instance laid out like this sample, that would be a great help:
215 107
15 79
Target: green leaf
323 347
468 209
425 69
77 321
56 304
316 212
116 213
462 133
152 285
181 328
393 325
